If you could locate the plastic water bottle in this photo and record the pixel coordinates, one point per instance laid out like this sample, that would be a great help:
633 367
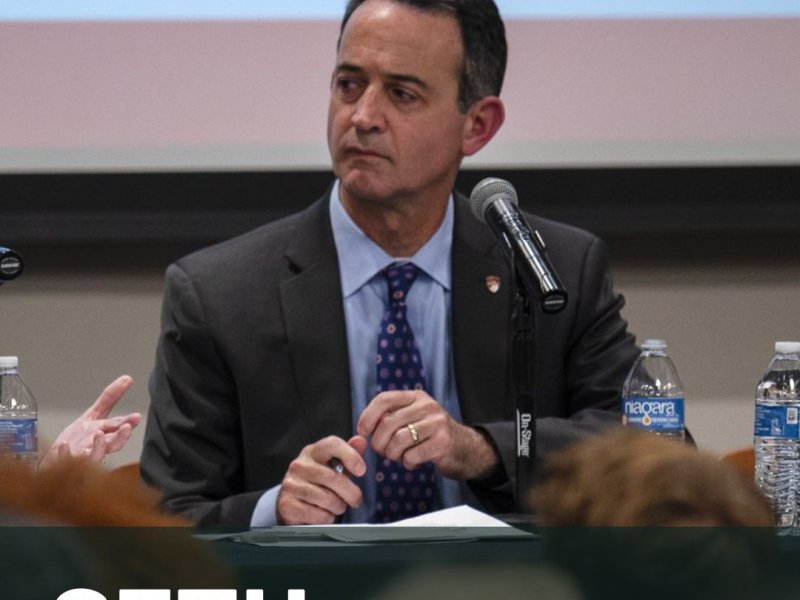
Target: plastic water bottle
18 415
777 433
652 395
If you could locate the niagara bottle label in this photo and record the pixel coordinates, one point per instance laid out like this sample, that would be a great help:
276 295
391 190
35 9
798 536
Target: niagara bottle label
654 414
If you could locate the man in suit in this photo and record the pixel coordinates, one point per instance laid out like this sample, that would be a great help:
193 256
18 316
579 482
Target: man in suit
265 379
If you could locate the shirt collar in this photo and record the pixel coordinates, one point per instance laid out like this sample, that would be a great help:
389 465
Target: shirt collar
360 259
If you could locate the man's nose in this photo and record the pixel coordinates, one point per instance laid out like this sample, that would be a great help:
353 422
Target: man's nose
369 113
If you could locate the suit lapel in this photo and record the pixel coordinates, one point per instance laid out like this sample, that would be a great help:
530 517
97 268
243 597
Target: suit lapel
312 307
480 320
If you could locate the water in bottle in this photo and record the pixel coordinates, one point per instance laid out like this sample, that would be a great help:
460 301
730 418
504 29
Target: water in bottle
652 395
777 433
18 415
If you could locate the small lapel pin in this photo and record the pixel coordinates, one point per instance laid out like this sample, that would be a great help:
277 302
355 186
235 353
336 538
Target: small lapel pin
493 283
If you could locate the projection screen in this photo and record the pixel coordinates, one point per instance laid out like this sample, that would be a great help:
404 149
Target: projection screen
109 86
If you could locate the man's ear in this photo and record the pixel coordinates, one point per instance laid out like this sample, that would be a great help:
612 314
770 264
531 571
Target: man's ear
484 119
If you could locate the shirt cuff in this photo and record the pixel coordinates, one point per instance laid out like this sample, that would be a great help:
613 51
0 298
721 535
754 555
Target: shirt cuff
266 511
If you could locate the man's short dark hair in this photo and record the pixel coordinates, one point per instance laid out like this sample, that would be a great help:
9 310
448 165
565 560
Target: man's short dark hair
483 36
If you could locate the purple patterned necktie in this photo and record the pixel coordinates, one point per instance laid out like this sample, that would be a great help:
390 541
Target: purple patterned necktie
400 493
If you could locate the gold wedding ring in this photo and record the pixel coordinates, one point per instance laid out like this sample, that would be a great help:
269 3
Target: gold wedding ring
413 431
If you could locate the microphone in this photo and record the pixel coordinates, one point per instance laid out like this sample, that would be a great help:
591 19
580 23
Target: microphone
10 264
494 202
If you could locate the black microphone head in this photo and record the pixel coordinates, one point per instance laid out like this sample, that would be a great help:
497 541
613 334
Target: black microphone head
488 191
10 264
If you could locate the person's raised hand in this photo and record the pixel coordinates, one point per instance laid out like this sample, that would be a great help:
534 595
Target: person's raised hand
94 434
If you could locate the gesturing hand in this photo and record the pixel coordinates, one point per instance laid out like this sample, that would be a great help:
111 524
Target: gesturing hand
94 434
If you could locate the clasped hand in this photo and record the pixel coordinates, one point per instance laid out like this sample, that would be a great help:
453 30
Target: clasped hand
408 427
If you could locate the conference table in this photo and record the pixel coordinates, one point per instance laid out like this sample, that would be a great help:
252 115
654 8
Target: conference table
380 563
535 563
363 562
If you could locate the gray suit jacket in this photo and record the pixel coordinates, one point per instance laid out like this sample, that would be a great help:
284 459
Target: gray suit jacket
252 360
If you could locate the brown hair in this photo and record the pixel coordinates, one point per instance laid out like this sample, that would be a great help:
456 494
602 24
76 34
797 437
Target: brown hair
628 478
77 493
109 523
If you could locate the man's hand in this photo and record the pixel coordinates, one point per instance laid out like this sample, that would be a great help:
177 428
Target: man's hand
313 492
93 434
411 428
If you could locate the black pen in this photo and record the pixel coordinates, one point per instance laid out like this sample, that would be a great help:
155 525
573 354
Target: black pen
336 465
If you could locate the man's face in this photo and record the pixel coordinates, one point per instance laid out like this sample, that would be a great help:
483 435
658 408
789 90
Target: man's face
394 128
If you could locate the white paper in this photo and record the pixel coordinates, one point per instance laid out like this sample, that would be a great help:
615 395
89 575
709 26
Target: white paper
458 516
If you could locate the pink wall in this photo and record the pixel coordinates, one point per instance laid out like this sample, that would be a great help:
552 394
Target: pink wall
591 91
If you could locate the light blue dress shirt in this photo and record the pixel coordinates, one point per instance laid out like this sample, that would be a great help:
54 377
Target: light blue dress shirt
365 297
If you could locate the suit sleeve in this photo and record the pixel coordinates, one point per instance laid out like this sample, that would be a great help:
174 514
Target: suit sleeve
192 448
596 355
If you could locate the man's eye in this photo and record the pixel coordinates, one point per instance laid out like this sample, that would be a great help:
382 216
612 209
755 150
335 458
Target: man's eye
403 95
346 85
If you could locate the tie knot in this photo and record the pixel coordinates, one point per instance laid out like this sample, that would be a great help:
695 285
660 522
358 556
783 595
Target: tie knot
400 278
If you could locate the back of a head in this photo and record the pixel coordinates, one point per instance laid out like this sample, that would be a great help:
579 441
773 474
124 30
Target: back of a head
631 515
629 478
111 523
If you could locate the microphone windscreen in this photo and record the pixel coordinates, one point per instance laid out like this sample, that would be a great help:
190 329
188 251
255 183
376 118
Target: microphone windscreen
486 192
10 264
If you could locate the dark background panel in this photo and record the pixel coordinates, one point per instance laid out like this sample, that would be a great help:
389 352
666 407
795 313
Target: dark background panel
133 218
